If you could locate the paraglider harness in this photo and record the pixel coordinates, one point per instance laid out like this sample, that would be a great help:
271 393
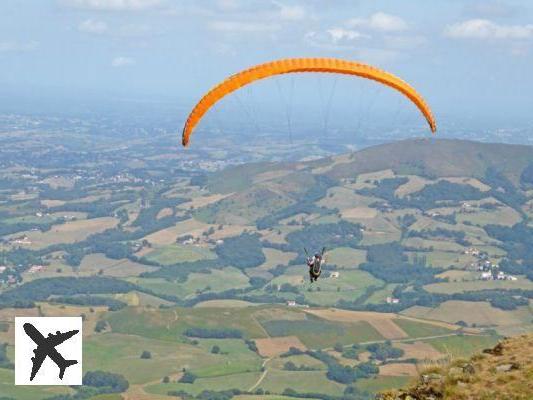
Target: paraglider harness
315 264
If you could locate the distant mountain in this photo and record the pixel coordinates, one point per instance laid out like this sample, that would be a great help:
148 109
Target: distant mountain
433 158
438 158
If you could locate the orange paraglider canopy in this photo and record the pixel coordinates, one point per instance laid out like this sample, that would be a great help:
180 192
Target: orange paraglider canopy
292 65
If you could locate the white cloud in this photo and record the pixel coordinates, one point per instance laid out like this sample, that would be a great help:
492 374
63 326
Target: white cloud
380 21
15 46
122 62
113 5
92 26
239 26
486 29
339 35
335 39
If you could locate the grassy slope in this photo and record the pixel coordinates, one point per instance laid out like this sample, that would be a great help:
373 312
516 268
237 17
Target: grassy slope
484 381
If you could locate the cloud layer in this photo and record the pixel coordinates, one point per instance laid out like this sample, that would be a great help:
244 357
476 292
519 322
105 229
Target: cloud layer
486 29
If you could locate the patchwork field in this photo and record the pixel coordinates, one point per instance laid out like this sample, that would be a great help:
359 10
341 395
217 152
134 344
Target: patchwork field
177 253
462 346
390 326
478 313
316 333
69 232
420 350
269 347
458 287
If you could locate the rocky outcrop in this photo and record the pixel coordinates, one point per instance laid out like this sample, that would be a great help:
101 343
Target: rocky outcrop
503 372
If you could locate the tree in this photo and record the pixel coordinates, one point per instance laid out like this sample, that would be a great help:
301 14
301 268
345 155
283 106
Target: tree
338 347
215 349
100 326
109 382
146 355
188 377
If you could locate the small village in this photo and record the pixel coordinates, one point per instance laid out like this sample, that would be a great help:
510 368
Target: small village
489 271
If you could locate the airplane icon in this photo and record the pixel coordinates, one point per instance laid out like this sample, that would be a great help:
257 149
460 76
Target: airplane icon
46 347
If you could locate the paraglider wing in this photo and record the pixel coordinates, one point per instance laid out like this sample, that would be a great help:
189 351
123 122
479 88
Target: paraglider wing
293 65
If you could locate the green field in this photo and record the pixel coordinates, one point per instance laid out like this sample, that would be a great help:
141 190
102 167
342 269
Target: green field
346 257
214 281
299 360
234 358
318 333
277 381
225 382
462 346
120 353
379 296
415 329
458 287
350 285
178 253
169 324
9 390
443 259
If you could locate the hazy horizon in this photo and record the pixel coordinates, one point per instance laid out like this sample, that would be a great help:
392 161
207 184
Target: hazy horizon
466 58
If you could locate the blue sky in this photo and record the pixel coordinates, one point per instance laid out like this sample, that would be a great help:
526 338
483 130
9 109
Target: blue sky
465 57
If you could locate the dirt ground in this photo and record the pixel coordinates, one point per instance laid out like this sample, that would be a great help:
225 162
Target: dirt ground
271 347
382 322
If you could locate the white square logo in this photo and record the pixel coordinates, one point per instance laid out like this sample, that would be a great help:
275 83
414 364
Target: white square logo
48 351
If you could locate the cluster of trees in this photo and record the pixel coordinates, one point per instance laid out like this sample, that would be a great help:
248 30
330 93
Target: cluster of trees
4 360
343 373
95 209
383 351
431 195
42 289
290 366
218 333
384 189
502 299
426 198
526 177
293 351
502 189
188 377
351 352
389 263
405 221
314 237
243 251
180 271
417 296
106 382
93 301
148 216
9 228
457 236
350 393
516 241
305 204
